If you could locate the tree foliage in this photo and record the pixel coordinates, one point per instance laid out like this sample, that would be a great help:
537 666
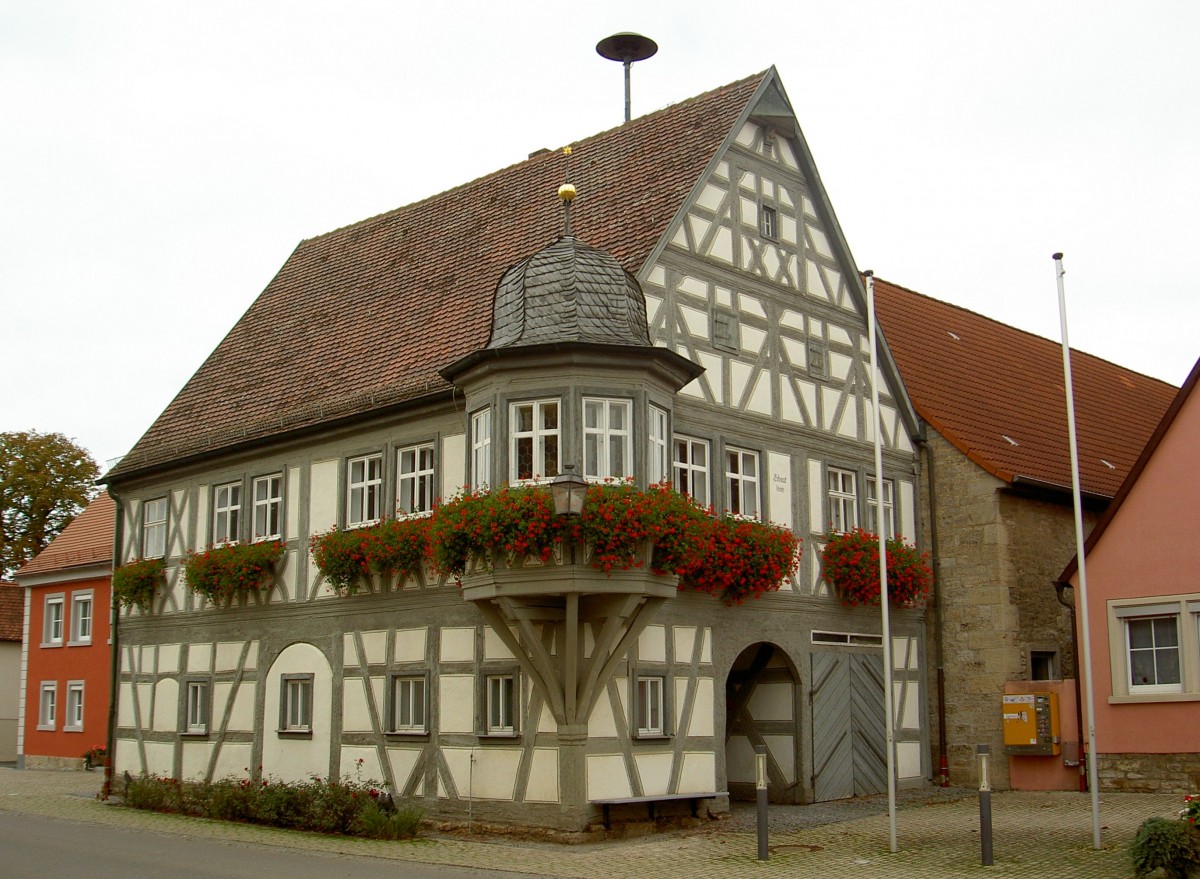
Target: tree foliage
45 480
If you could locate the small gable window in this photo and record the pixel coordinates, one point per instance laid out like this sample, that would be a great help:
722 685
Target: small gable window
768 222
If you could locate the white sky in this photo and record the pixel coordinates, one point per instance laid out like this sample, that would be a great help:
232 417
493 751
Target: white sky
159 160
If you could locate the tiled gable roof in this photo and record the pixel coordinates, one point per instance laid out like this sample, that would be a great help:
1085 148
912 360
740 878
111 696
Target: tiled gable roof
12 611
978 381
88 540
363 317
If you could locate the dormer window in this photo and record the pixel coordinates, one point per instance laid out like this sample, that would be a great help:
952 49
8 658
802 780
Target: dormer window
607 439
535 450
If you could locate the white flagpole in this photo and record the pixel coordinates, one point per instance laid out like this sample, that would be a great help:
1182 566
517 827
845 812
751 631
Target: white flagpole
1081 601
877 424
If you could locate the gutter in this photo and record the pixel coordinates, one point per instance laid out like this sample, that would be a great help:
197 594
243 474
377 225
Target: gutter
1060 587
114 619
939 637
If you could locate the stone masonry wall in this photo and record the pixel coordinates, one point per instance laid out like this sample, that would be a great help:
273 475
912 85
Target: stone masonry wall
997 555
1149 773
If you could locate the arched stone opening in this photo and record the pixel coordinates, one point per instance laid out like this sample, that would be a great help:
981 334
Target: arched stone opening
763 700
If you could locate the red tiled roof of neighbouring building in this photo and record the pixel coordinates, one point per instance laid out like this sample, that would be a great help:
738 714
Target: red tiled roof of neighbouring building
363 317
88 540
12 611
997 393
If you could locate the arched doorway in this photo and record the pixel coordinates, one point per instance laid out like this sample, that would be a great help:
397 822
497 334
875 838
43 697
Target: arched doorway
762 708
297 715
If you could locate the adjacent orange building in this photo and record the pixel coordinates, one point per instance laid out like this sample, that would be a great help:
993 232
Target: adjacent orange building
65 661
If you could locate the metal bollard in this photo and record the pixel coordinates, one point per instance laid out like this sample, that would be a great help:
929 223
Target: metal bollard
985 803
760 783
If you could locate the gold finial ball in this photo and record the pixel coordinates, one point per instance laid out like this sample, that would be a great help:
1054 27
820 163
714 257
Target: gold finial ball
567 192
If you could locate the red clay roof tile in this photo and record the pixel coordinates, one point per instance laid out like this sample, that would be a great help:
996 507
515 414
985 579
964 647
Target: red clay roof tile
88 540
363 317
12 611
978 381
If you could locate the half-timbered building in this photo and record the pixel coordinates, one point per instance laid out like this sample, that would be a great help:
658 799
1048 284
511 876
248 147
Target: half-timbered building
704 322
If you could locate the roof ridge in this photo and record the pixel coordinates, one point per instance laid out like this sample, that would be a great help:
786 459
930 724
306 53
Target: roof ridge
1029 333
637 121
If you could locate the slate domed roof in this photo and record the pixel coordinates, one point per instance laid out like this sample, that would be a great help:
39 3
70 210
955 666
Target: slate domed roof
568 292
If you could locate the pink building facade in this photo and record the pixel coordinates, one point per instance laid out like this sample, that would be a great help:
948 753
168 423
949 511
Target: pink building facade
1143 578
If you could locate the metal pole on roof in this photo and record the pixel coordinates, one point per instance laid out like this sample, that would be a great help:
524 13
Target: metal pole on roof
877 429
1082 601
626 48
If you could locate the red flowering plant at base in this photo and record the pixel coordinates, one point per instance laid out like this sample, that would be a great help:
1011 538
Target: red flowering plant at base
510 521
392 548
739 559
850 563
224 572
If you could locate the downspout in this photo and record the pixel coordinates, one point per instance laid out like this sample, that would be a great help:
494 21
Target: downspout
114 659
1060 589
939 648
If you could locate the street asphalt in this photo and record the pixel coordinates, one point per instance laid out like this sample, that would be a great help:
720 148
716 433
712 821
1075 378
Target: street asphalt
1035 834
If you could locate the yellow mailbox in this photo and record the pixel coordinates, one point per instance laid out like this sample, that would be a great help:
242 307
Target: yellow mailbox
1031 724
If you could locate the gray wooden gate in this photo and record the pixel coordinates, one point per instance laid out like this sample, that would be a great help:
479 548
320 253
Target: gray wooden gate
849 729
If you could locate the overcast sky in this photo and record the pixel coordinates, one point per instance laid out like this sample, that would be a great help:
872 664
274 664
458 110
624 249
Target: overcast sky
160 160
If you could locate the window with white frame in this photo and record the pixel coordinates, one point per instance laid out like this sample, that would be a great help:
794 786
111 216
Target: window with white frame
364 490
414 479
691 468
48 706
741 482
658 467
227 513
73 722
768 221
535 441
268 507
501 695
843 500
295 704
154 528
889 508
650 706
81 617
52 622
195 709
1152 645
607 438
481 450
408 704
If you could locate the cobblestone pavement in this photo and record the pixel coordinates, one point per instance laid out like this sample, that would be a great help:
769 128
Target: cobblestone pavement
1036 834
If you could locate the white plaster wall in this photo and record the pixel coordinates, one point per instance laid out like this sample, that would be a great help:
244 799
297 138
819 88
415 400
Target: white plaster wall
606 777
323 496
654 770
783 752
233 760
356 717
458 645
702 710
296 758
196 755
160 758
454 464
542 786
699 772
369 771
410 645
771 701
168 659
684 641
228 654
402 761
779 488
456 703
652 644
199 659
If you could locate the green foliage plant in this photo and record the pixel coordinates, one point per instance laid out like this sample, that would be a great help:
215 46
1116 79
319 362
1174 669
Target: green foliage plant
850 564
134 583
45 480
1172 846
223 572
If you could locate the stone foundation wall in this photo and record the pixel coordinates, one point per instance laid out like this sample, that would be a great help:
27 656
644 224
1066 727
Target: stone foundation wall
1149 773
33 761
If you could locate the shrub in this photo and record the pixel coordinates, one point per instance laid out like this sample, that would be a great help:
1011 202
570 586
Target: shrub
222 572
1173 846
324 806
134 584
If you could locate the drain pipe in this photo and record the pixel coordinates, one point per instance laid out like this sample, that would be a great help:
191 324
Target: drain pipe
1060 589
938 638
114 616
